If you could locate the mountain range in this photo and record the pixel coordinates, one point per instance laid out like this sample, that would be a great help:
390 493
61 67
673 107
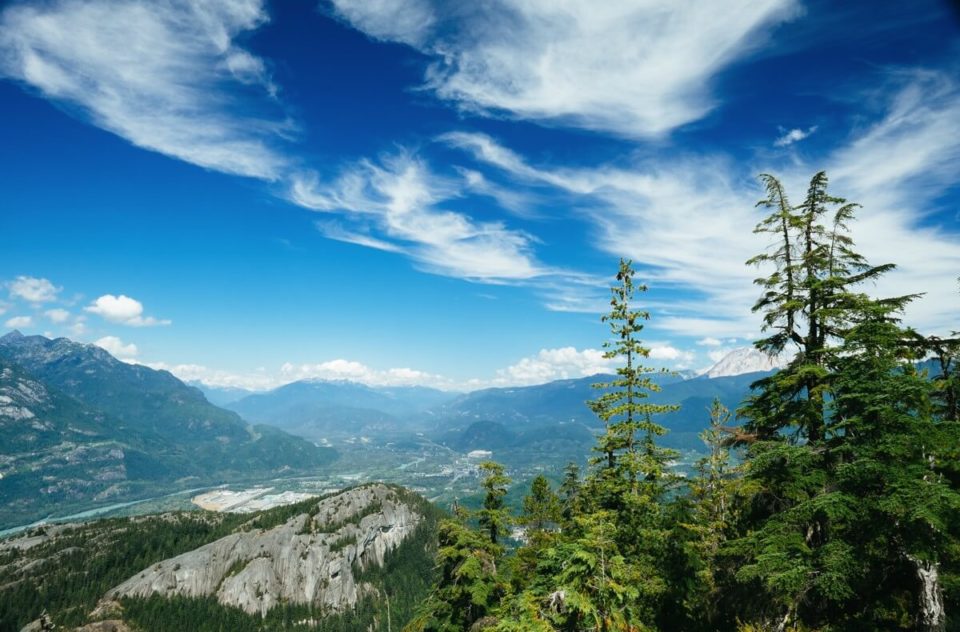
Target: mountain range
80 427
510 416
320 409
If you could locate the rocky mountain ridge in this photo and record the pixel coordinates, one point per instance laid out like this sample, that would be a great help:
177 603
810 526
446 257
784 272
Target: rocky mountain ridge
311 558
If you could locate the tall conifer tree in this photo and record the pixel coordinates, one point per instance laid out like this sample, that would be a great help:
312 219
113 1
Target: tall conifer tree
800 545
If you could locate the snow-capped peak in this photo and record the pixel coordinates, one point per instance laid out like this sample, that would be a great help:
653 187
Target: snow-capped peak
745 360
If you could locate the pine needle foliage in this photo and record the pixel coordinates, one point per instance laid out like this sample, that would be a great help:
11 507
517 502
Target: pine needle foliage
628 452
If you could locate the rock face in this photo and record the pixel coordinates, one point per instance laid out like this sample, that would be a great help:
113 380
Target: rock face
311 558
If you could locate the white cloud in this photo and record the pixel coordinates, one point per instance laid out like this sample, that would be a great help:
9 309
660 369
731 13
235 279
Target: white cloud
898 169
57 315
398 204
354 371
687 223
19 321
339 369
545 366
337 232
154 73
554 364
679 358
217 377
709 342
406 21
77 329
716 355
124 310
792 136
33 290
636 69
701 244
117 348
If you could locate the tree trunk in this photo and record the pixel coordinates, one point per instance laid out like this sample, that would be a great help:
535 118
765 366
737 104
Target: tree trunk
932 616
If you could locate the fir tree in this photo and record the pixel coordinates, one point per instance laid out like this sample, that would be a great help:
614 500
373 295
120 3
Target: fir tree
469 586
712 495
494 517
630 456
570 492
541 507
604 570
801 542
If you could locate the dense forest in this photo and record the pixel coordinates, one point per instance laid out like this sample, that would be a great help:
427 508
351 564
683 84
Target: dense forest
829 500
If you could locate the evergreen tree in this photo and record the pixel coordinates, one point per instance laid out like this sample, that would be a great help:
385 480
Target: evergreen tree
946 375
570 492
899 509
541 507
800 544
494 517
712 496
630 457
604 571
469 586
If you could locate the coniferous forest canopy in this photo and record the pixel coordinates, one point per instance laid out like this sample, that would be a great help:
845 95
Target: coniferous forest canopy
829 500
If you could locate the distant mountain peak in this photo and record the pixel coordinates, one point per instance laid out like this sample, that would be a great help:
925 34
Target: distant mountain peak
745 360
13 335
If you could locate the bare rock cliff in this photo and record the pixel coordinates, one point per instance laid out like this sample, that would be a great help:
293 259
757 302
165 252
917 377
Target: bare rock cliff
309 559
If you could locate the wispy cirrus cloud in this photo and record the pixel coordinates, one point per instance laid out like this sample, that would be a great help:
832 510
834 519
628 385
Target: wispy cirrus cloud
166 76
633 69
187 89
398 204
899 168
687 221
701 243
405 21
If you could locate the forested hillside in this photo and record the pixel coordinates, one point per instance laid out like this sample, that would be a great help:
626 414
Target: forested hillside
842 511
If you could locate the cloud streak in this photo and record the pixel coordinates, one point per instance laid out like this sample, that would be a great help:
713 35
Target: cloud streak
687 222
398 204
170 88
633 69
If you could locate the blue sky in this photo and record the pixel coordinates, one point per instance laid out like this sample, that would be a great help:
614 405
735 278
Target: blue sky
424 192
